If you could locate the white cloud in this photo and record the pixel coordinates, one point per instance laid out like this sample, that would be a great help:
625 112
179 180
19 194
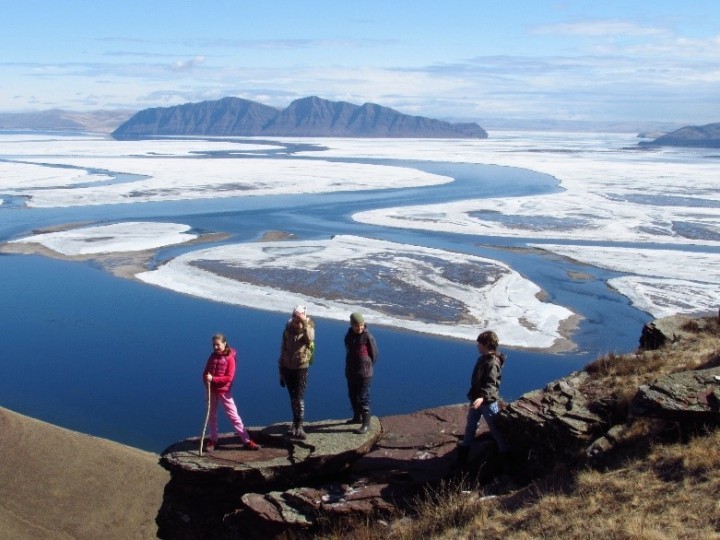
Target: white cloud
186 65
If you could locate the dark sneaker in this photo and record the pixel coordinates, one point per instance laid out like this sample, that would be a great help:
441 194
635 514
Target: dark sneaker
300 433
251 445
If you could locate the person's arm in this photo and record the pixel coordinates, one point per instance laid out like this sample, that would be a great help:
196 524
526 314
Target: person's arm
206 371
491 380
373 348
309 331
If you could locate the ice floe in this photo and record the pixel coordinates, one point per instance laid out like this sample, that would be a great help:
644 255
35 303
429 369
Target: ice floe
118 237
399 285
660 281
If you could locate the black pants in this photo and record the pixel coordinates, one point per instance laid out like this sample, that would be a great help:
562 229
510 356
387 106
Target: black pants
296 382
359 394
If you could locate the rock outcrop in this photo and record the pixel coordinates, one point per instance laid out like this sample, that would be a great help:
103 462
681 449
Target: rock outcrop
579 420
291 484
657 333
691 397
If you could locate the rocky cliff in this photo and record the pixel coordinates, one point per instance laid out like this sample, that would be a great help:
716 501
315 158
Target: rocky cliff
306 117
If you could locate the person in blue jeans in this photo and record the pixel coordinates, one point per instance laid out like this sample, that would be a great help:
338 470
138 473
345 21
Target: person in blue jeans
483 395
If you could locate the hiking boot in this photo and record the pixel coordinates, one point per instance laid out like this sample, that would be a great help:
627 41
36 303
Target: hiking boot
300 433
210 446
365 424
356 419
251 445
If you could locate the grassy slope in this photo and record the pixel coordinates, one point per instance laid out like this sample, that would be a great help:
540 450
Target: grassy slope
59 484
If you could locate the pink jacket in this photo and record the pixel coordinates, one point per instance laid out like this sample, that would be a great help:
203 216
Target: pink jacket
222 368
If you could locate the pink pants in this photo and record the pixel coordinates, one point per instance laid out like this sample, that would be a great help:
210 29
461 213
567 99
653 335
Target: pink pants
229 405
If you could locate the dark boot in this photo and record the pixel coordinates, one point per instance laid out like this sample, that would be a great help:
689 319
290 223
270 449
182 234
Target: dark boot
356 419
463 452
365 424
299 431
292 430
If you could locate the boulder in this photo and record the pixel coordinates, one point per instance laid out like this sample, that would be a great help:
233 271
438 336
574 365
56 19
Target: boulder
670 329
557 422
689 396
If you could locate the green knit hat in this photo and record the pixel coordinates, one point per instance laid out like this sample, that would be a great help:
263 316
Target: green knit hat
357 318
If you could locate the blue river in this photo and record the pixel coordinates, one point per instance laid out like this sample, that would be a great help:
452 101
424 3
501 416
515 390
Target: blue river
122 360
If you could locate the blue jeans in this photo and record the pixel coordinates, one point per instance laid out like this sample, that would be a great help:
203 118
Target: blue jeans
488 411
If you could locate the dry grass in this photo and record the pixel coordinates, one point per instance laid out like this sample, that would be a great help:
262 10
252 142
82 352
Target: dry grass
671 493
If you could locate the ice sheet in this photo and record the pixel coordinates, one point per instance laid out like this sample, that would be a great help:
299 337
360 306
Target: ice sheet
164 179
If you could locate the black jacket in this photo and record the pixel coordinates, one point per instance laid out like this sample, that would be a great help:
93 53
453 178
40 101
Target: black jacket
361 353
486 376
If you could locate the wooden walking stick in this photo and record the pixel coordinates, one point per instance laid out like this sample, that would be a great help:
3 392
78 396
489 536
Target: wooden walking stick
207 417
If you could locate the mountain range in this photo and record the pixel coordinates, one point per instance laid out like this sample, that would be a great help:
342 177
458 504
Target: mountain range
306 117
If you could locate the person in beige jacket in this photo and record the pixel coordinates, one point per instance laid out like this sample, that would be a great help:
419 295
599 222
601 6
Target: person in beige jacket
296 355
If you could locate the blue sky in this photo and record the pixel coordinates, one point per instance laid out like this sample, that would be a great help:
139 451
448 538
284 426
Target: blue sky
604 60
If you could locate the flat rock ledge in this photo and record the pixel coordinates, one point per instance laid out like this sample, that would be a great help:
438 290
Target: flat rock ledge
330 448
296 485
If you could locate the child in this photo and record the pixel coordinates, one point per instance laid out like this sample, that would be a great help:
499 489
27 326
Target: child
361 355
296 351
219 374
483 395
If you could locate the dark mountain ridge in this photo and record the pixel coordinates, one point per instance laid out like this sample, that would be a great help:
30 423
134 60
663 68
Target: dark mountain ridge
306 117
707 136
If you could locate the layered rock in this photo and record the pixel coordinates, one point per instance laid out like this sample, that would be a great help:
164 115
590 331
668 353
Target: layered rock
292 484
415 451
689 396
557 422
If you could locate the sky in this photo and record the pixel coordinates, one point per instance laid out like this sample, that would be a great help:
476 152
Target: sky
583 60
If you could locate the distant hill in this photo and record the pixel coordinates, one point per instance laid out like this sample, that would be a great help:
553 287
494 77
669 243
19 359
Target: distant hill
306 117
707 136
62 120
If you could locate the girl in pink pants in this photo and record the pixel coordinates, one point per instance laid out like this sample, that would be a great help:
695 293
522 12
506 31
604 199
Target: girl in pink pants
219 373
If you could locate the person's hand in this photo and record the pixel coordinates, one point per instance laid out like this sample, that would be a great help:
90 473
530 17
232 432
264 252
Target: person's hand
477 403
208 377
